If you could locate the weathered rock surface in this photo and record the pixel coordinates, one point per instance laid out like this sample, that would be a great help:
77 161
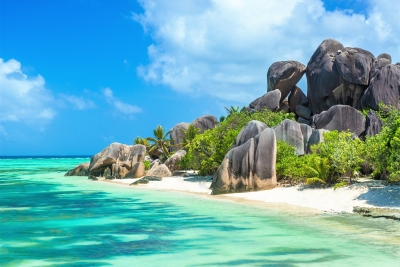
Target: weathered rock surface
116 160
354 65
303 121
290 132
172 162
303 112
137 171
146 180
322 76
306 132
284 75
317 136
296 98
284 106
248 167
176 135
341 118
159 171
155 162
80 170
250 130
205 122
379 62
269 100
155 153
373 124
384 87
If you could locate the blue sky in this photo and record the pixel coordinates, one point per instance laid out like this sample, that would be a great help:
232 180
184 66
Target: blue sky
77 75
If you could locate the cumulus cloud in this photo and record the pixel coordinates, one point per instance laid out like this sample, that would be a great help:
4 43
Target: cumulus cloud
23 98
224 48
120 106
78 102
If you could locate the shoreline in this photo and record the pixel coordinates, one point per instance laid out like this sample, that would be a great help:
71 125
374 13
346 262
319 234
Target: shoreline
369 197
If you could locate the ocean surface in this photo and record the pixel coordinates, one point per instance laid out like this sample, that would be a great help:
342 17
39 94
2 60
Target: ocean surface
47 219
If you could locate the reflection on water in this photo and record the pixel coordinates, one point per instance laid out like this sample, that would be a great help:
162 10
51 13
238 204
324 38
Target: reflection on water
48 219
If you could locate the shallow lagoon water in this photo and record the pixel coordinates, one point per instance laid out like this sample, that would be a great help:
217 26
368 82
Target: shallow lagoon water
49 219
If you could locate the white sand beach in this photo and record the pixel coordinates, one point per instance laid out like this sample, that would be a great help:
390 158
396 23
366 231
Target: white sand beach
363 193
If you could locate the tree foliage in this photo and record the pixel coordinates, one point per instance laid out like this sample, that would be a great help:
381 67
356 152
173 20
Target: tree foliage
160 141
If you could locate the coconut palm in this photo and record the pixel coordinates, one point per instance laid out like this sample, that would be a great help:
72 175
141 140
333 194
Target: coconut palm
160 141
320 169
141 141
188 135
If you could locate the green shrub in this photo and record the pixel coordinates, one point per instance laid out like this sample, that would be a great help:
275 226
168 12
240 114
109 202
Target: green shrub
340 184
146 165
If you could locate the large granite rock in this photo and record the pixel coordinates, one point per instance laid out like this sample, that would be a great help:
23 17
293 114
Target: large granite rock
205 122
172 162
137 171
297 98
306 131
284 106
379 62
269 100
317 136
322 76
373 124
341 118
290 132
80 170
116 160
155 153
284 75
159 171
354 65
303 112
384 87
250 130
248 167
176 134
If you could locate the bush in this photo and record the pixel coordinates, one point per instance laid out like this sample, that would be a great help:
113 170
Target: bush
146 165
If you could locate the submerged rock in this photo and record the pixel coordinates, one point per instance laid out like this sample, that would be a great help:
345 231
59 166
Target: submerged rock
80 170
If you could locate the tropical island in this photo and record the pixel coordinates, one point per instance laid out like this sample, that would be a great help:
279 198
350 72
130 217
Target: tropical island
345 132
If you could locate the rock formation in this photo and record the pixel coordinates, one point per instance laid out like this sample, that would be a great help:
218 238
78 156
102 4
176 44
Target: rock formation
379 62
373 124
176 135
80 170
205 122
159 171
290 132
297 98
172 162
284 75
322 76
269 100
250 166
341 118
137 171
384 87
317 136
250 130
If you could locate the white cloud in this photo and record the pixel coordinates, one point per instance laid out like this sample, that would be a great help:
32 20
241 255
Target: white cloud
224 48
23 98
78 102
119 105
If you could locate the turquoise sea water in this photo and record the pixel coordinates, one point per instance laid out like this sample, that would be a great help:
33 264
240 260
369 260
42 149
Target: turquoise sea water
50 220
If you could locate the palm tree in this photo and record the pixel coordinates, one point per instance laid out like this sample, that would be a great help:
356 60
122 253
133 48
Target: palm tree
141 141
188 135
232 110
160 140
320 168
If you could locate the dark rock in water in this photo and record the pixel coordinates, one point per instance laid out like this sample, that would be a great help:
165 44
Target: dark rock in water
172 162
379 62
205 122
159 171
341 118
373 124
250 130
290 132
384 87
137 171
284 75
322 76
373 212
317 136
303 112
284 106
146 180
248 167
116 160
297 98
354 65
269 100
80 170
177 134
